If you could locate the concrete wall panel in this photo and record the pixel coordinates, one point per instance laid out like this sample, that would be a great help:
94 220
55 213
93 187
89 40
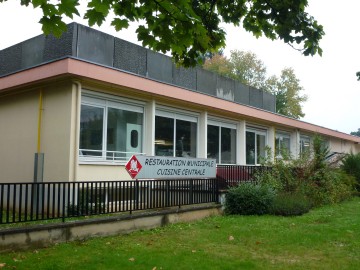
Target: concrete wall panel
255 97
32 52
56 48
206 82
95 46
10 59
225 88
242 94
269 102
185 77
130 57
159 67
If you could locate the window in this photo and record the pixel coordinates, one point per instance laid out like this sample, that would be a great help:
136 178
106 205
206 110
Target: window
282 145
304 144
109 130
175 134
255 146
221 142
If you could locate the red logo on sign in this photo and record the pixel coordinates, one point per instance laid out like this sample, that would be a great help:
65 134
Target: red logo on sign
133 166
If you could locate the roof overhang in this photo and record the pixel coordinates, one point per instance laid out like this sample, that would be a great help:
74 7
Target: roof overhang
74 68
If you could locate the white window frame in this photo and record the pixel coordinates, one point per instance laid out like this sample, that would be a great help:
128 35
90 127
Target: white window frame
303 138
178 114
256 131
212 121
282 134
105 101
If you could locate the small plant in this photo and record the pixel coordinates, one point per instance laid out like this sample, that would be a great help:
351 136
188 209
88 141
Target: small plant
290 204
249 199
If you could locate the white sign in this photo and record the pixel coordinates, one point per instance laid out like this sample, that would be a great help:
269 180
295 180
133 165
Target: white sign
160 167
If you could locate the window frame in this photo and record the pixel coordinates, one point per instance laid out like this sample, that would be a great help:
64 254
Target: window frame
220 123
106 101
177 114
256 131
283 134
304 138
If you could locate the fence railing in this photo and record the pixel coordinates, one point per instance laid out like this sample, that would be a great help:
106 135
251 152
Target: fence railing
232 175
23 202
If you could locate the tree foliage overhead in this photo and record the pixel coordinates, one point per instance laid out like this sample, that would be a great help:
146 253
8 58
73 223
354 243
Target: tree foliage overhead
247 68
189 28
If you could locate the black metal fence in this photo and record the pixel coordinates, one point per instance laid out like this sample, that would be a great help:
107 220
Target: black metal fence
232 175
23 202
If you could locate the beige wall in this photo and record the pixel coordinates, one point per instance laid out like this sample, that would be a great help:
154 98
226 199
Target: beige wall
102 172
18 136
342 146
56 131
19 133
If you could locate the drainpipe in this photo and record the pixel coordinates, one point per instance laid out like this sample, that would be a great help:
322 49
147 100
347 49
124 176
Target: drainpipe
76 123
39 157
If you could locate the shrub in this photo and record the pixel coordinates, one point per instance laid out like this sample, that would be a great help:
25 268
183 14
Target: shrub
249 199
310 175
290 204
281 177
332 186
351 165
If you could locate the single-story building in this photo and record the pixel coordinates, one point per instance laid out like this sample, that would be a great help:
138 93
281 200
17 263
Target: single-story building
77 108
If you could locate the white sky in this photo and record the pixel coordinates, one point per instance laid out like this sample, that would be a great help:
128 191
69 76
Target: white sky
329 81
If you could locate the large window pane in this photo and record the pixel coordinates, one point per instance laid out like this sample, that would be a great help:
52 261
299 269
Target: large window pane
124 129
282 145
255 147
213 138
250 148
228 146
91 130
185 138
260 147
164 136
304 144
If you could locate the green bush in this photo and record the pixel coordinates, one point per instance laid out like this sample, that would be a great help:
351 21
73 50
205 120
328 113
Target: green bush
249 199
332 186
351 165
311 175
290 204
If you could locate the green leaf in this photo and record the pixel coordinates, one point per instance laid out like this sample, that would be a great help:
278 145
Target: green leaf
100 6
94 16
37 3
53 25
120 24
49 10
68 7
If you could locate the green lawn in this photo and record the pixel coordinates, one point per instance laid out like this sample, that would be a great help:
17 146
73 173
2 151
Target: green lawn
326 238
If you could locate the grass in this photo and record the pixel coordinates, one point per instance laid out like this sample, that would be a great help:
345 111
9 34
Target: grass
325 238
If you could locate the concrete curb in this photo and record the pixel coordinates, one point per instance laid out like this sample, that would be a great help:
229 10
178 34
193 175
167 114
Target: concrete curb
47 234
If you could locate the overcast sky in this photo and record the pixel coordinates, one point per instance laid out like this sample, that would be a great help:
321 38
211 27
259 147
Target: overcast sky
329 81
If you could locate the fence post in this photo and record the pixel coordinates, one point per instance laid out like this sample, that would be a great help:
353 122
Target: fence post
191 199
167 193
137 194
215 188
63 203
